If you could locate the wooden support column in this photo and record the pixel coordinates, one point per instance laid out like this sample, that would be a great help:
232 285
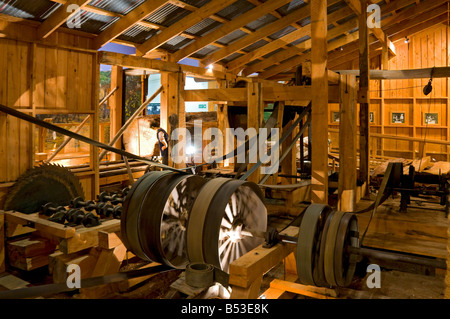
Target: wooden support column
347 144
95 163
172 105
115 106
289 164
364 98
222 122
319 116
255 116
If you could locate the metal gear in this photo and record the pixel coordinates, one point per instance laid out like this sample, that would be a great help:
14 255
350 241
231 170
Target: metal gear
40 185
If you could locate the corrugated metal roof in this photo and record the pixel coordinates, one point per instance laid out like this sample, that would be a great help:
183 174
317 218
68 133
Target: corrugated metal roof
203 27
167 15
233 36
122 6
25 9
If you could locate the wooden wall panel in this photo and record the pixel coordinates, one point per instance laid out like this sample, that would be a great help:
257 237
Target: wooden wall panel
51 76
426 49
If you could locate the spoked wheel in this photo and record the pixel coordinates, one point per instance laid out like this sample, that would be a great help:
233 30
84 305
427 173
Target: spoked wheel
156 215
224 218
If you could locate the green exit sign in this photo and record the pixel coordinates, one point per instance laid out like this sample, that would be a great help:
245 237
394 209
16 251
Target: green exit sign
202 106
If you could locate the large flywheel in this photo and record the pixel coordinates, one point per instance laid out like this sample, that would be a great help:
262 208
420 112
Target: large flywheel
176 218
155 216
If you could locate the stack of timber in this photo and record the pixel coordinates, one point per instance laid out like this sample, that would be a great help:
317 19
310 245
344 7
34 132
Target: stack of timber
97 250
30 252
423 165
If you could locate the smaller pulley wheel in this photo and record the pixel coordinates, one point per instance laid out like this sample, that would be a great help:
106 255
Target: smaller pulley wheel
308 245
321 280
344 262
330 243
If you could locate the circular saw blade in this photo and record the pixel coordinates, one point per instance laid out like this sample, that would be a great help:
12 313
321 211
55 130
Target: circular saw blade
40 185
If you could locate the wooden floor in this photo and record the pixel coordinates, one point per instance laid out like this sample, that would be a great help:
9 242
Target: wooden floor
422 230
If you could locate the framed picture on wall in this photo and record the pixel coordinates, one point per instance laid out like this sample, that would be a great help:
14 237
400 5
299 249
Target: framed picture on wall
398 117
431 118
371 117
335 117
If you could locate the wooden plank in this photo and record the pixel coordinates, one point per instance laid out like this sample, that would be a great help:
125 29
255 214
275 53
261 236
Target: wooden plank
255 118
30 247
269 94
175 29
364 97
40 224
425 73
135 62
12 282
115 107
87 237
319 113
108 240
250 267
347 144
50 78
309 291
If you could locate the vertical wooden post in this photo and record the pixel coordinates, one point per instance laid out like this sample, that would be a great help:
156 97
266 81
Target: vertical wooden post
364 98
223 123
255 116
384 66
115 105
172 105
289 165
347 144
95 123
319 113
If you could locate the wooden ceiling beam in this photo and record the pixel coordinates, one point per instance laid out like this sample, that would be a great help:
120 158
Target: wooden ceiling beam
285 40
356 6
298 49
229 27
401 25
59 17
180 26
127 22
269 29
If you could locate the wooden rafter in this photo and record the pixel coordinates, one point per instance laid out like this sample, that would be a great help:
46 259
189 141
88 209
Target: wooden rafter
127 22
379 34
339 43
185 23
287 39
229 27
279 24
59 17
298 49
